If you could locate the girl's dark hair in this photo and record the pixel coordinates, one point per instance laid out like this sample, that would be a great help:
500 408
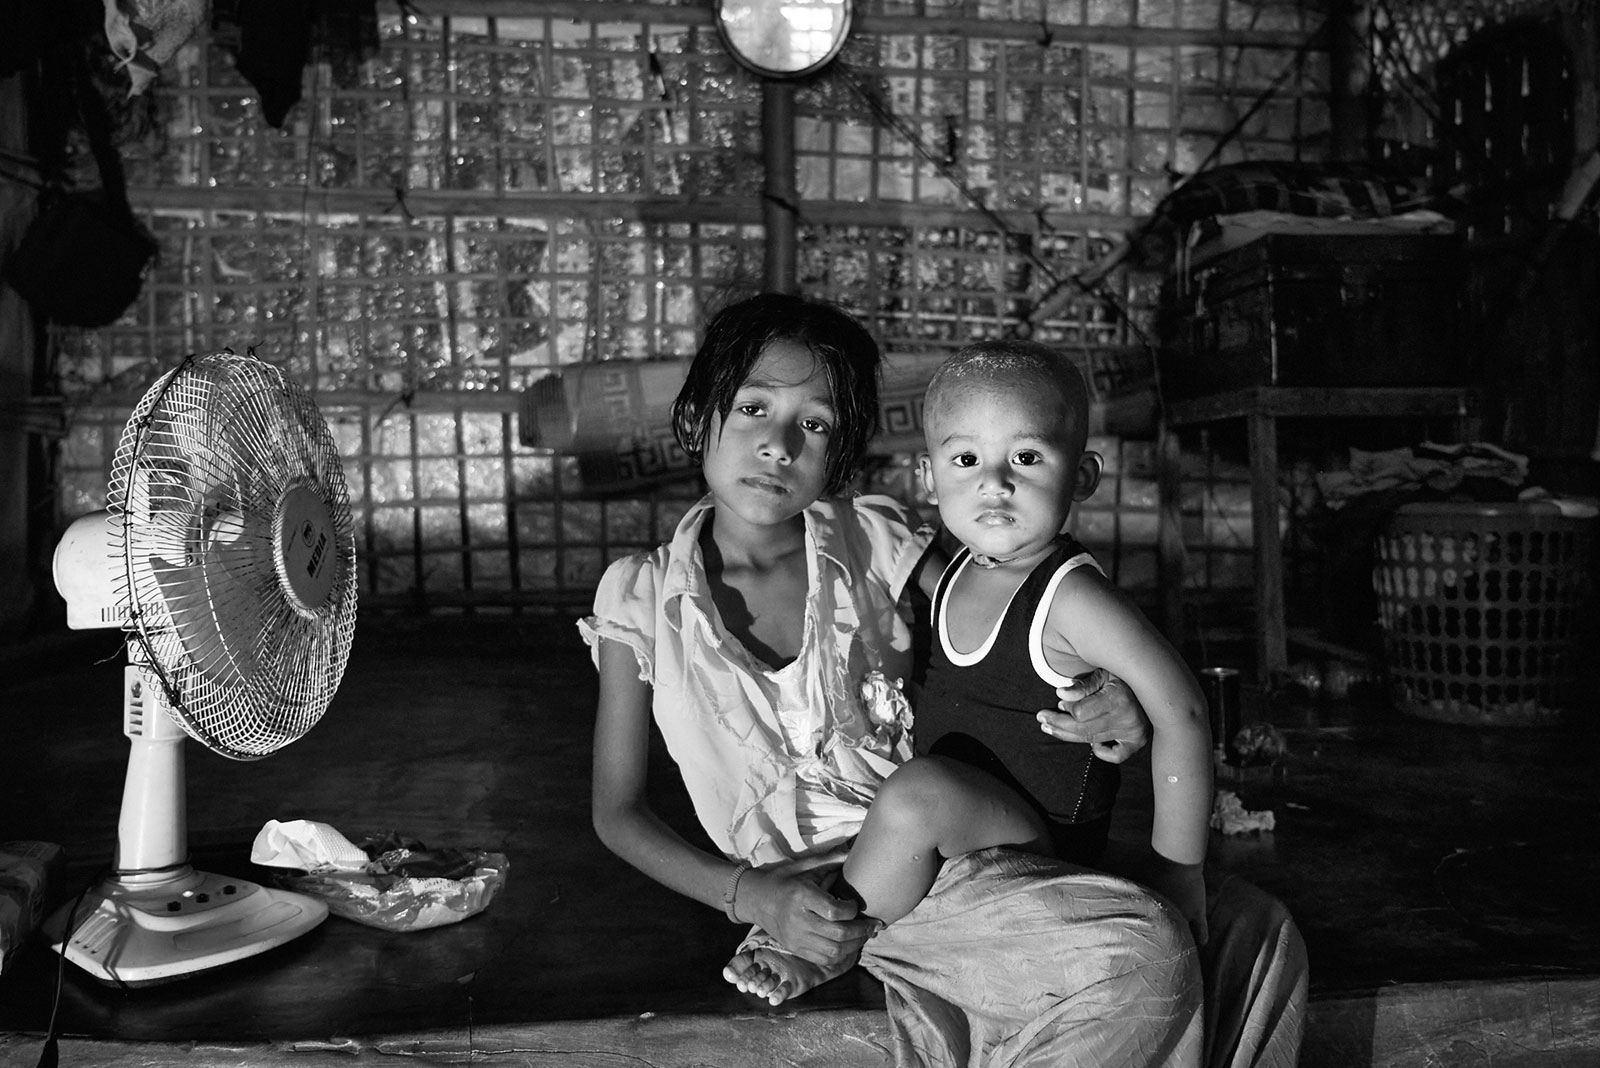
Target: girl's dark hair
734 341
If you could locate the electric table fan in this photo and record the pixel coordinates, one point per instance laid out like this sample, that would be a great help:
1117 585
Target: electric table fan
227 554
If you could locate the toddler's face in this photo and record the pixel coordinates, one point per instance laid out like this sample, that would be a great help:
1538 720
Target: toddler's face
767 461
1003 470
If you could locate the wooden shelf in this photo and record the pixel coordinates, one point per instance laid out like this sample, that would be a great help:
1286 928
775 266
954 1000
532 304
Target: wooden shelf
1261 407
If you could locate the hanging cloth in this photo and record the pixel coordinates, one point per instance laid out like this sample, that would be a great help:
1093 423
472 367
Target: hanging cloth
82 259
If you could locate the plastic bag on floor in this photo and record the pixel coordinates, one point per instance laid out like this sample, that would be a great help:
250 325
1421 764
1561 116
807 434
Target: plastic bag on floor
386 881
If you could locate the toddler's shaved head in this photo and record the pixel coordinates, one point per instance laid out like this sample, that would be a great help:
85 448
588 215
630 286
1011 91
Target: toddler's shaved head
1011 365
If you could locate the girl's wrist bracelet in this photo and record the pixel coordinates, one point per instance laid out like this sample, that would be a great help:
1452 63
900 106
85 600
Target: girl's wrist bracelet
731 891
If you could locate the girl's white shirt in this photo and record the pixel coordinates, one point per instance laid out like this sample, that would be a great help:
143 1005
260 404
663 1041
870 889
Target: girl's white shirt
779 763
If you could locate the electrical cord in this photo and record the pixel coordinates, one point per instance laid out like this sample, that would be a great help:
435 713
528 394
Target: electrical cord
49 1053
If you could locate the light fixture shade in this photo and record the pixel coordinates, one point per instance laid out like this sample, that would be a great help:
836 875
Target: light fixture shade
784 38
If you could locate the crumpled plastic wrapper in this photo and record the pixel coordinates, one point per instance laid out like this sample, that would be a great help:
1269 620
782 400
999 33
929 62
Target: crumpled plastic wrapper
387 881
1229 816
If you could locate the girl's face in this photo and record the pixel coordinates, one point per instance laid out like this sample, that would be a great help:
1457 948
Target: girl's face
767 461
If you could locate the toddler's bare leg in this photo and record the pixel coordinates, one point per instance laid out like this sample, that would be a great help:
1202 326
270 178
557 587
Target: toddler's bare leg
930 809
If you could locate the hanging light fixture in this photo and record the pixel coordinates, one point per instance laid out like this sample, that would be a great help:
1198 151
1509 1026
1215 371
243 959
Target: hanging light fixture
783 38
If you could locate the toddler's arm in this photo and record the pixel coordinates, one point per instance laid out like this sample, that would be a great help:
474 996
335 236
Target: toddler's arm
1094 620
785 899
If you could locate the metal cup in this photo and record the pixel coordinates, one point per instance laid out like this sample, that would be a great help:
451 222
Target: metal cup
1221 685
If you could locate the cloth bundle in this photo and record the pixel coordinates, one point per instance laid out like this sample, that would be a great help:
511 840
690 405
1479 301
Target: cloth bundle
1480 470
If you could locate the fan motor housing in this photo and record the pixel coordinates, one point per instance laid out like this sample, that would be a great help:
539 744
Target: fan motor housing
86 569
307 556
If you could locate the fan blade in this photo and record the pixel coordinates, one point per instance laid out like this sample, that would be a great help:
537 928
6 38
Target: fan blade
239 551
218 634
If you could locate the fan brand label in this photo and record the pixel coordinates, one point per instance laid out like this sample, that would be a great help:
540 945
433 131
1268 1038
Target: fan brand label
318 551
305 534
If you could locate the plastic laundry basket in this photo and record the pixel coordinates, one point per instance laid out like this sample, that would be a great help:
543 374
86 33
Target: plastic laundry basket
1480 606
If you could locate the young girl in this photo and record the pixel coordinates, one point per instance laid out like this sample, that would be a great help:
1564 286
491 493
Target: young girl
730 633
765 641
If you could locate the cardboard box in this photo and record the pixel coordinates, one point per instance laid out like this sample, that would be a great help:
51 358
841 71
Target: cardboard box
29 873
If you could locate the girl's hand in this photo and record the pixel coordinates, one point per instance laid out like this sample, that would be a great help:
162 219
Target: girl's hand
787 901
1099 709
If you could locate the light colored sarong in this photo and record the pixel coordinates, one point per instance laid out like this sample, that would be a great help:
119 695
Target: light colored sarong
1257 976
1016 961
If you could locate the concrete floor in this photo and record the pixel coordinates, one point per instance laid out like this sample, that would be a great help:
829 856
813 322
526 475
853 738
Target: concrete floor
1446 879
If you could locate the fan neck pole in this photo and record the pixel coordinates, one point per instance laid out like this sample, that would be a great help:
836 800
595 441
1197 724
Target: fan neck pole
152 831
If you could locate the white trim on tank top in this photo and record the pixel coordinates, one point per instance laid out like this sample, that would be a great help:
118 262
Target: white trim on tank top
1042 614
1035 629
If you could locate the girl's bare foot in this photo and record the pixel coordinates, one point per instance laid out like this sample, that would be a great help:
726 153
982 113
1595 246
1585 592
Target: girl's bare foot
763 968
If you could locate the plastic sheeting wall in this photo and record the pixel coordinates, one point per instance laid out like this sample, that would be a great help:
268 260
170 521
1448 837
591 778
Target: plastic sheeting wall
493 197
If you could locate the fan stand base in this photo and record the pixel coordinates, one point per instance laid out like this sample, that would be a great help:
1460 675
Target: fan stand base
131 932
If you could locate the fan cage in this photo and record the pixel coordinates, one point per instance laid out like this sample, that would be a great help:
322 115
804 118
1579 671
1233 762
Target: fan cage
202 467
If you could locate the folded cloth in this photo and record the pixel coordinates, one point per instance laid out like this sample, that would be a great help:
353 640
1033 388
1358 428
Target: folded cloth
1489 471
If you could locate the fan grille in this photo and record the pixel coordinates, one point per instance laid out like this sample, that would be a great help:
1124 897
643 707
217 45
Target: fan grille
233 522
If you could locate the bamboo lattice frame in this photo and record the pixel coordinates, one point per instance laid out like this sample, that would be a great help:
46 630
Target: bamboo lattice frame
500 194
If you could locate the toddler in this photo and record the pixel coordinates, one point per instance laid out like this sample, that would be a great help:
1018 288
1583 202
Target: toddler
1018 611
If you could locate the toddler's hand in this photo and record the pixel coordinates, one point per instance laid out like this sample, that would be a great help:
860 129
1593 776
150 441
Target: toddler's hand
1099 709
1182 884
